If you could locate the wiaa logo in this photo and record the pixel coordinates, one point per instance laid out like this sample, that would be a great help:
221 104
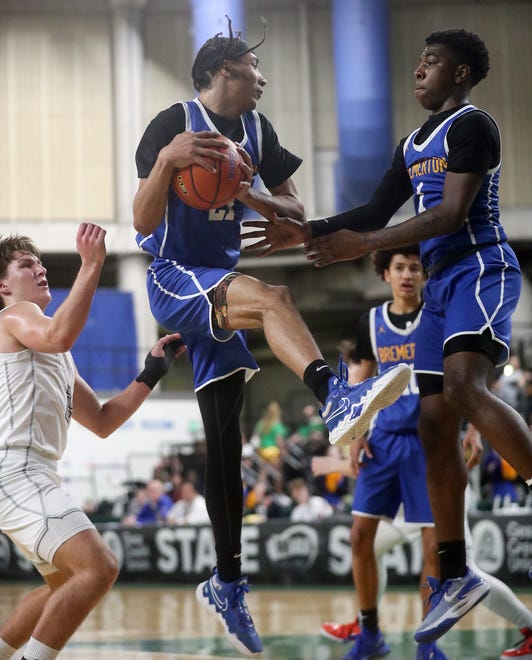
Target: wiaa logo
299 544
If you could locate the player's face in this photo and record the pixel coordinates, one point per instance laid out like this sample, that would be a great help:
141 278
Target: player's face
248 80
405 276
25 279
435 77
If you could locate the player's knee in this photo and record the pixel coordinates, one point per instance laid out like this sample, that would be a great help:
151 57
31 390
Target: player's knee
361 544
107 570
279 297
463 396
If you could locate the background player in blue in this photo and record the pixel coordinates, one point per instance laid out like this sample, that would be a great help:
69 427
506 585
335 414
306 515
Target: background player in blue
192 286
391 470
451 166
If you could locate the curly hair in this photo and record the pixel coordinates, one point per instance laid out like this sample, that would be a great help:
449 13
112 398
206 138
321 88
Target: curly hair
468 46
383 258
215 50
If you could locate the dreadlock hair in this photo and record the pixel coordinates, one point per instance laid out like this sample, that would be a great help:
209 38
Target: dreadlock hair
383 258
215 50
468 47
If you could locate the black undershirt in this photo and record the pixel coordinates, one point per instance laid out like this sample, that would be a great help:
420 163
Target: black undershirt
474 146
277 164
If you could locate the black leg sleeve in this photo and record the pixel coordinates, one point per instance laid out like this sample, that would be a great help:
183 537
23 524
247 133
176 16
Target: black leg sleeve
220 404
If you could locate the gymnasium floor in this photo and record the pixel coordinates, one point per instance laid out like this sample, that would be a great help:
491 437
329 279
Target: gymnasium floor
166 623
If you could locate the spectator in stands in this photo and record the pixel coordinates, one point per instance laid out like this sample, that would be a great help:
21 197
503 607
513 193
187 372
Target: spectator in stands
176 484
269 434
308 508
312 425
137 500
156 508
499 479
190 509
334 486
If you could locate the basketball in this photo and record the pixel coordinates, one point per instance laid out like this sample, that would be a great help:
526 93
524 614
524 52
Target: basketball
201 189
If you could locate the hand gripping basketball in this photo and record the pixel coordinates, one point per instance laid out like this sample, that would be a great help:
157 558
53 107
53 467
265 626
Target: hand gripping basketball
201 189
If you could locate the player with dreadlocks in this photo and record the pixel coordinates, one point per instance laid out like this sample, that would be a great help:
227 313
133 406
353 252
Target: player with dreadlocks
194 289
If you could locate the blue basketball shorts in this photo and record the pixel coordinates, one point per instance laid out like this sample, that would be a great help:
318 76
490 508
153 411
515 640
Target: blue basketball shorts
396 474
477 295
179 301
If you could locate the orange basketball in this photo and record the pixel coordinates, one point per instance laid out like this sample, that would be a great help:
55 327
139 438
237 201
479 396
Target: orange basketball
202 189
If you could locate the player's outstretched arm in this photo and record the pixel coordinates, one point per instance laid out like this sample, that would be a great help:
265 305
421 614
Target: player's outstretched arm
103 419
24 322
276 234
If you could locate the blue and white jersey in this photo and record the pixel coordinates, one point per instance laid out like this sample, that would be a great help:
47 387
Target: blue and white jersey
392 345
209 238
426 164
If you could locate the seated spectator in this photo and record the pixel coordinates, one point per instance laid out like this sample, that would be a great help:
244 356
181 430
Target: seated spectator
156 507
333 486
266 500
308 508
190 509
311 426
499 479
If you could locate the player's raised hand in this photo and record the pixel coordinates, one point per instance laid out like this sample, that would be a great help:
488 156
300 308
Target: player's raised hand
90 243
276 234
342 245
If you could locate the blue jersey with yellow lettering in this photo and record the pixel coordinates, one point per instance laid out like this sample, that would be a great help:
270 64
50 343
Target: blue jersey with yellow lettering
426 164
193 237
392 345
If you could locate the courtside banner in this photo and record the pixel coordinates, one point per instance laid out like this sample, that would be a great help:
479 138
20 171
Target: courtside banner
280 552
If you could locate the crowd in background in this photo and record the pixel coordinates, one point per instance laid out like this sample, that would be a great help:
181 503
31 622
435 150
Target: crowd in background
277 475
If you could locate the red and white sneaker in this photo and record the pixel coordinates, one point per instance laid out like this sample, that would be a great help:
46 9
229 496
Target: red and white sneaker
522 649
340 632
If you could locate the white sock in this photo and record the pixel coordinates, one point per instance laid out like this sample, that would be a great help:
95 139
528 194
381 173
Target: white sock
36 650
529 482
6 651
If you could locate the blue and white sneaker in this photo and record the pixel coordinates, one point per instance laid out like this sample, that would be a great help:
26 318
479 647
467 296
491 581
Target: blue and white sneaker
429 652
226 601
449 602
349 409
368 645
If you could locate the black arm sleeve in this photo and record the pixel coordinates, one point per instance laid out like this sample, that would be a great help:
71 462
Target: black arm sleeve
392 192
363 347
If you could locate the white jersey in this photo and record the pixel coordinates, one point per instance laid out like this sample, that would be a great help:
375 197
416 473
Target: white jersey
35 404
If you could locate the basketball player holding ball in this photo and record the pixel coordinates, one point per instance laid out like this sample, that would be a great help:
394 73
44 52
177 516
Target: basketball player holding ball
194 289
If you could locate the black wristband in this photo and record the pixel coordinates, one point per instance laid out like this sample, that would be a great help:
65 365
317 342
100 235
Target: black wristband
157 367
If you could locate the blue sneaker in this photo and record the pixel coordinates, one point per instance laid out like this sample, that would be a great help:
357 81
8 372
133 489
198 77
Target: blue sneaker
429 652
349 409
449 602
226 601
368 645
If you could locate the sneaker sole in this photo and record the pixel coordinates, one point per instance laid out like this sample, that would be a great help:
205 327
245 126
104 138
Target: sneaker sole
386 391
211 608
432 634
333 638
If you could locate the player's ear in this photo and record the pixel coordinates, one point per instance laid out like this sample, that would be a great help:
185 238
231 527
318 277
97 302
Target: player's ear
225 69
462 73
